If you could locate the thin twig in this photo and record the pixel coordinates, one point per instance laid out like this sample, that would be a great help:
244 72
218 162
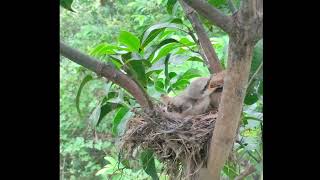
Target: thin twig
253 78
250 154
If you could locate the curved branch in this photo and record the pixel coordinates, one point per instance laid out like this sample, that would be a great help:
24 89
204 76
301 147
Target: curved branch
212 14
107 71
254 76
204 41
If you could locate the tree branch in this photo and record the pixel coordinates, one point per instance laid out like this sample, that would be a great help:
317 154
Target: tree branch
249 153
204 41
200 50
249 170
109 72
254 76
230 108
212 14
243 36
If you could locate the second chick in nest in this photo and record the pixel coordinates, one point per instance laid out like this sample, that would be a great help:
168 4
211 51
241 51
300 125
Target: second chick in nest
202 94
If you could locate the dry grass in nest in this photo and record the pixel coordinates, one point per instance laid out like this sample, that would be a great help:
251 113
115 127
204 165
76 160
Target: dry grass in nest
175 141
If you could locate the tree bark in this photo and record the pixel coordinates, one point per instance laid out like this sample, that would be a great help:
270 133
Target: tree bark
235 83
246 31
109 72
212 14
204 41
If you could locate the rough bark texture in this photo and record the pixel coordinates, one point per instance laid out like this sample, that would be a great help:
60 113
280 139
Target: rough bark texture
107 71
247 30
204 41
235 84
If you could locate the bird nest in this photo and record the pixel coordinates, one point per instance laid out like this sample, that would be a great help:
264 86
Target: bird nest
177 142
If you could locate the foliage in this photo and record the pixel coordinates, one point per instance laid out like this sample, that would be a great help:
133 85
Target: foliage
158 52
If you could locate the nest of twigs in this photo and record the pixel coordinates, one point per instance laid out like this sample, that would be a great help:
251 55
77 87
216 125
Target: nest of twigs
177 142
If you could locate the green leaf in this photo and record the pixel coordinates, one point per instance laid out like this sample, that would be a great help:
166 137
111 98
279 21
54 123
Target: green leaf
130 40
111 160
172 75
178 59
151 36
217 3
170 5
105 109
165 50
166 71
116 61
230 171
195 59
117 100
186 41
251 98
191 73
154 30
151 50
67 4
84 82
148 164
94 117
138 71
180 84
118 118
104 49
126 57
176 20
166 33
167 41
159 86
101 171
150 72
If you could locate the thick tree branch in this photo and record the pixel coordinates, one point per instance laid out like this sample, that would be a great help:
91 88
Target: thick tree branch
248 8
230 108
107 71
251 18
212 14
204 41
